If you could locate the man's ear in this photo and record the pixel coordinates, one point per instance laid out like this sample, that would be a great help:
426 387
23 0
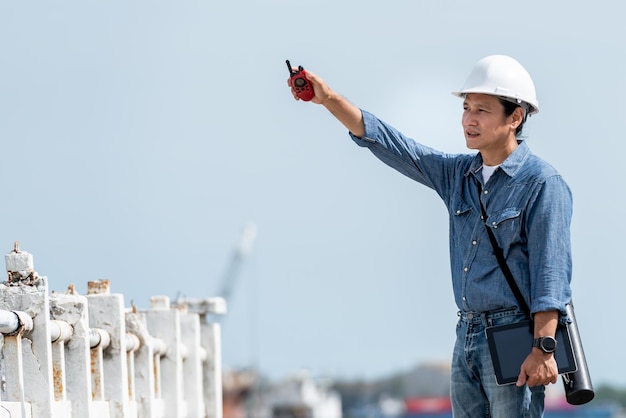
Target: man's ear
517 117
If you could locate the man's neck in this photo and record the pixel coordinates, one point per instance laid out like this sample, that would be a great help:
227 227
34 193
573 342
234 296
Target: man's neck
495 156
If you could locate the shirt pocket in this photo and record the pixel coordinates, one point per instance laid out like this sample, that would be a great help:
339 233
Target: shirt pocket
460 212
506 226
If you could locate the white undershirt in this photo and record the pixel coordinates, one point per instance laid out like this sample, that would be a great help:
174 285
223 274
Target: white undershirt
488 171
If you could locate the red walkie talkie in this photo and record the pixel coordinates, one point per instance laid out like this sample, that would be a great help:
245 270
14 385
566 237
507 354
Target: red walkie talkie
303 87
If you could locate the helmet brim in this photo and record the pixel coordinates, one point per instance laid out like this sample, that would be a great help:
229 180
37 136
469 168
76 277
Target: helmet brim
530 108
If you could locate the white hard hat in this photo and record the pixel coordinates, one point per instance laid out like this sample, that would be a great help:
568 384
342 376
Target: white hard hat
502 76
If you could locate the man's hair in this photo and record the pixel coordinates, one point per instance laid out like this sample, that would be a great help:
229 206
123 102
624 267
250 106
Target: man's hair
509 108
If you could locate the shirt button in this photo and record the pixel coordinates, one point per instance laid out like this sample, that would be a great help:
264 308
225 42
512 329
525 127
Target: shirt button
470 316
486 192
466 269
464 299
474 242
458 212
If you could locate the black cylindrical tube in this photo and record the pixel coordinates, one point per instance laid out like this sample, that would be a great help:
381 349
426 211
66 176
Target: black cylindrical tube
578 386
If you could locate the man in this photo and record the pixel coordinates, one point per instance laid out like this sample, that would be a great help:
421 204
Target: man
528 207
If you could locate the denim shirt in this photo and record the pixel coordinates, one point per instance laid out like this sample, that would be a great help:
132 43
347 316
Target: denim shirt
528 206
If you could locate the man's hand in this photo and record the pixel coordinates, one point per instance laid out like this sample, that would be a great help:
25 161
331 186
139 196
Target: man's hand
321 90
539 368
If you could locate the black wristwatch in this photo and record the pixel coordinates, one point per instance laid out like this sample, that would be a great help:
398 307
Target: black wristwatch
545 344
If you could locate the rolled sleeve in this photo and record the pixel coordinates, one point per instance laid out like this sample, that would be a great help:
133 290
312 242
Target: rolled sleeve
549 247
369 121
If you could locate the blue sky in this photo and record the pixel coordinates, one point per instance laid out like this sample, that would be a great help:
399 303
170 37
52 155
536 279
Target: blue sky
138 138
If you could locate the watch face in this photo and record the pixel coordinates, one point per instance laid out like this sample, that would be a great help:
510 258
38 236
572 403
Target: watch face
548 344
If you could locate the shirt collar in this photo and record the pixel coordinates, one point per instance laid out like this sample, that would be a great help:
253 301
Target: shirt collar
510 166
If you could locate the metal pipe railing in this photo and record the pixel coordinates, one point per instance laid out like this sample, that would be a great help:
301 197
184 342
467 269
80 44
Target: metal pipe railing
9 322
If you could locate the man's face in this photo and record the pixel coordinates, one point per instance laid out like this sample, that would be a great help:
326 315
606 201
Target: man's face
484 124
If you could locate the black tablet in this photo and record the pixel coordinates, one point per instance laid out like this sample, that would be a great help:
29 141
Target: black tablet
510 345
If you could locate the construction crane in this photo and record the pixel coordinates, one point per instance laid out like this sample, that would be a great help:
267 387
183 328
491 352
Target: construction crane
216 305
241 251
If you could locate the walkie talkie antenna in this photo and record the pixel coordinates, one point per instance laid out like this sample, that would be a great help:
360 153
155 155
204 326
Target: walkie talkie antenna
289 67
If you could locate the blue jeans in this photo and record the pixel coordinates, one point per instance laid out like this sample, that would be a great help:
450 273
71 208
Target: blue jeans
474 391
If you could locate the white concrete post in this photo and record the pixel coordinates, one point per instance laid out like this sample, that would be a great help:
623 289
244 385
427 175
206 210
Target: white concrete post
106 311
212 368
211 341
73 309
147 366
164 323
26 291
192 364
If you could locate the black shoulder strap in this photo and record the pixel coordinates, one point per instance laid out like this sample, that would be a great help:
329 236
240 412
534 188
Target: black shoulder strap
500 256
